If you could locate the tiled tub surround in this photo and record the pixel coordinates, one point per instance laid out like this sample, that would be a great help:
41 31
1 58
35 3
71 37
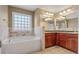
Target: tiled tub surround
66 39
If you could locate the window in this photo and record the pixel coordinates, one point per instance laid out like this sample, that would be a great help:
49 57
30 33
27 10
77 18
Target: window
21 22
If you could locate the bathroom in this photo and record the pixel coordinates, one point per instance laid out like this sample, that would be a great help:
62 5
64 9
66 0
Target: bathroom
43 20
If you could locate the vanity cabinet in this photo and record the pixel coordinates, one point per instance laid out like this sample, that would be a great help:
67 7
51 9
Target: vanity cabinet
69 41
65 40
58 39
72 42
62 40
49 39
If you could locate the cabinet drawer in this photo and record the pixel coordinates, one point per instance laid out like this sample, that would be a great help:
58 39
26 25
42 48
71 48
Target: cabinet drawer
72 35
48 34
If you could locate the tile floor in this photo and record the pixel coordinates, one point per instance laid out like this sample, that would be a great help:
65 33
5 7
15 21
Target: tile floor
55 50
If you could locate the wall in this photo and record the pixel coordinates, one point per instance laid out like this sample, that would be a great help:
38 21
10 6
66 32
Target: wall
39 21
37 18
44 25
39 30
3 22
73 23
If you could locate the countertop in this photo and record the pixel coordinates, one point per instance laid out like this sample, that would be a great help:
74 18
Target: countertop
61 31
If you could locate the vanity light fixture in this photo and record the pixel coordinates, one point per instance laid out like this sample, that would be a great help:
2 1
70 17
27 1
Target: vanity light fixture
48 19
51 14
61 13
61 18
47 13
44 15
64 11
68 10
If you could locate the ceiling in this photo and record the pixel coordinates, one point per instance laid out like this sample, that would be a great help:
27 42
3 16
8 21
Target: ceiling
50 8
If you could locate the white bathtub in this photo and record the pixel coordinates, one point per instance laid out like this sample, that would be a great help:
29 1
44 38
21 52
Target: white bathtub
21 45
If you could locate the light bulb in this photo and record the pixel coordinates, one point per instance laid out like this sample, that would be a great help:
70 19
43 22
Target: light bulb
51 14
47 13
68 10
64 11
61 13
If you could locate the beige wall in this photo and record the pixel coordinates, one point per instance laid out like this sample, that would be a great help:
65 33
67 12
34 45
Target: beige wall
37 18
73 23
39 21
44 25
4 30
3 22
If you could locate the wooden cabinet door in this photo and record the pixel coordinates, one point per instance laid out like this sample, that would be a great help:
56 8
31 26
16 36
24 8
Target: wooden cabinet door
67 43
62 43
58 39
72 43
75 49
53 42
46 42
53 39
62 40
49 40
76 45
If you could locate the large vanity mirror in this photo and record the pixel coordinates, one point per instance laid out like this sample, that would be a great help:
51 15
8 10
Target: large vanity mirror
62 20
51 25
61 24
67 24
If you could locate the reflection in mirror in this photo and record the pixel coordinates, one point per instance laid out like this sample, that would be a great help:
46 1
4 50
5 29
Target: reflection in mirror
61 24
51 25
73 24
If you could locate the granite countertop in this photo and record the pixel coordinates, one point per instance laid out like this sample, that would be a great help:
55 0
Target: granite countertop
61 31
